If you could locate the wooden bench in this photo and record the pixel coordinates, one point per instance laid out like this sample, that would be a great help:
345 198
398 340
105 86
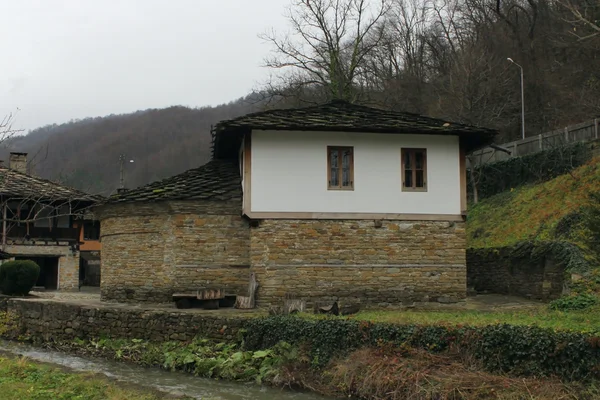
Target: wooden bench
205 298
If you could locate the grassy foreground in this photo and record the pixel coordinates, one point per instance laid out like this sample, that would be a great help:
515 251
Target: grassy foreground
21 379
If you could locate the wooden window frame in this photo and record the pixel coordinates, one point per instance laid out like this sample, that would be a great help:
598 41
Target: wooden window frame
414 170
340 149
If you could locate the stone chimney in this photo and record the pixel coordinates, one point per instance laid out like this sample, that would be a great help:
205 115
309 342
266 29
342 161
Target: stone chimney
18 162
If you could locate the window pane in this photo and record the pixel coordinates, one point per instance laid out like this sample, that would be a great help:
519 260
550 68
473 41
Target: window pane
419 181
334 160
407 160
408 179
346 165
419 157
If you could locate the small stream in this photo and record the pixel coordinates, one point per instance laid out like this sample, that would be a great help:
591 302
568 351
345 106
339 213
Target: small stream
165 381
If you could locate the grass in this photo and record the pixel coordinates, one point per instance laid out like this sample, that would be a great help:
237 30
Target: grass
532 212
587 321
21 379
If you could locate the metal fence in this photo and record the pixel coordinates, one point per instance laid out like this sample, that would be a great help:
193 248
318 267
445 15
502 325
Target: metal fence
582 132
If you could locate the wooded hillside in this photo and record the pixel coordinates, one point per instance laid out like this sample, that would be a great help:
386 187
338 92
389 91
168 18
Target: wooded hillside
442 58
161 142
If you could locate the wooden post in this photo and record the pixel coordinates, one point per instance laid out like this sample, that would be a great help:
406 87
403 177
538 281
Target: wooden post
596 121
566 134
541 139
246 302
515 152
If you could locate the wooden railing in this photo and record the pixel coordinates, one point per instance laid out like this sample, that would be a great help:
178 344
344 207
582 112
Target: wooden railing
583 132
37 233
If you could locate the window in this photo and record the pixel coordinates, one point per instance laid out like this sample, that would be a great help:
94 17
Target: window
340 168
414 170
91 230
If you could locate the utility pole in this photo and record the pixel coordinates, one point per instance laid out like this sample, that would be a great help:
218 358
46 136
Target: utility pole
522 98
122 171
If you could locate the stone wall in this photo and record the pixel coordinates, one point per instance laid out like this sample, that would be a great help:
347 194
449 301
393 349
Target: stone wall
495 271
68 261
382 263
50 320
151 251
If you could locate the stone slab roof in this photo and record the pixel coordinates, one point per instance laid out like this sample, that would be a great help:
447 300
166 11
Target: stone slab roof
218 180
345 117
14 184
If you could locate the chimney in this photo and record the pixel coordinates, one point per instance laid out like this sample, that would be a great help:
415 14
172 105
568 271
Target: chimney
18 162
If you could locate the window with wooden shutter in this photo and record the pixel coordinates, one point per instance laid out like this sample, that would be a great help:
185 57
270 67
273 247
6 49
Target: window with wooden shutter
414 170
340 168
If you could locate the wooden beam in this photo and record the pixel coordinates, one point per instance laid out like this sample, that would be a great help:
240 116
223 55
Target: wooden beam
246 207
463 180
373 216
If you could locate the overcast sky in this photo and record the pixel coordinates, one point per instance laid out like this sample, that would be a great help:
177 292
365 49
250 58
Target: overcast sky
69 59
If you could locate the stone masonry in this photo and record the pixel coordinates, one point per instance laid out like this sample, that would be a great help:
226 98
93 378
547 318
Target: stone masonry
48 320
381 263
68 260
151 251
496 271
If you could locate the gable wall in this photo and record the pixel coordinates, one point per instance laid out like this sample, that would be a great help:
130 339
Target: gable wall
289 174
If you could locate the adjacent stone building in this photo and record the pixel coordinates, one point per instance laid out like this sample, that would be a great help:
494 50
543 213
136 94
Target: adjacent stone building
38 223
334 201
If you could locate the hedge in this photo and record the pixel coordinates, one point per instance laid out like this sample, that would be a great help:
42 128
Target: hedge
497 177
18 277
518 350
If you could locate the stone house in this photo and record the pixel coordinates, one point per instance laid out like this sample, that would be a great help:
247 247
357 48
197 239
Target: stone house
332 201
38 223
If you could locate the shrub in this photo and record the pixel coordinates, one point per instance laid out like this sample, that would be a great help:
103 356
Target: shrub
501 176
576 302
518 350
17 278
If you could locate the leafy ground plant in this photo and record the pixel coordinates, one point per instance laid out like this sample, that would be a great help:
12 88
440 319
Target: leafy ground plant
201 357
21 379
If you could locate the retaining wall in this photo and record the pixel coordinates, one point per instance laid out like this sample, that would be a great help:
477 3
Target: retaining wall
52 320
495 271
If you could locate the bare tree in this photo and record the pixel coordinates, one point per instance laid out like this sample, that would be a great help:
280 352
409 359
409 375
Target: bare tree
584 15
328 43
6 127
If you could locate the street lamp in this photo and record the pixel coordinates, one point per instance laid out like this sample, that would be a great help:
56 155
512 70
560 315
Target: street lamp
522 98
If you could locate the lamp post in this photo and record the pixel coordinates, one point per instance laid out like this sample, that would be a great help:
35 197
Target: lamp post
522 98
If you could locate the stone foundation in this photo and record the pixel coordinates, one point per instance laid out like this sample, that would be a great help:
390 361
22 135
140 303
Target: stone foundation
151 251
495 271
380 263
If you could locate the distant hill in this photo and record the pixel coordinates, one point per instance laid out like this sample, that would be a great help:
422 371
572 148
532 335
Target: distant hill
161 142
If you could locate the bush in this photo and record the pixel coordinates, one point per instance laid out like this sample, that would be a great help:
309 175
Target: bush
576 302
518 350
532 168
17 278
